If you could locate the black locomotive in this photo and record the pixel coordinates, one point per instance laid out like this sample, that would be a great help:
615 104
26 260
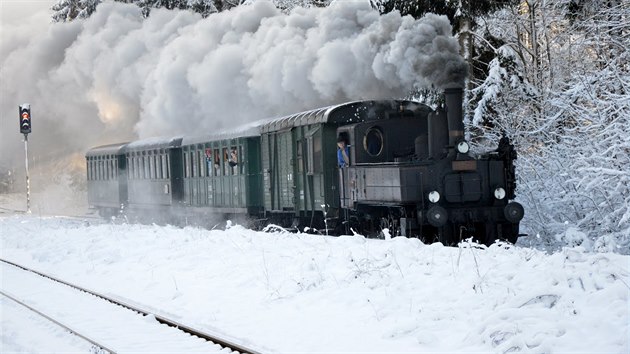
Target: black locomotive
407 170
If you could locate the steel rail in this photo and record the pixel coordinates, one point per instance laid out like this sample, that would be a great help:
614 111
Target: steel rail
162 319
64 326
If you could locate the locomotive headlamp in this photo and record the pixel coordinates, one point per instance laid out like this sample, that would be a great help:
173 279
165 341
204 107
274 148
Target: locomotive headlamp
437 216
463 147
434 197
499 193
513 212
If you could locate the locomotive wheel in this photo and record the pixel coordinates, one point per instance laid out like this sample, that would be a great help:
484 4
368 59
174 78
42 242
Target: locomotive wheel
106 213
486 233
447 235
509 232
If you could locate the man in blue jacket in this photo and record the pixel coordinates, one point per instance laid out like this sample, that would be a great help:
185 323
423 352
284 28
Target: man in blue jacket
343 152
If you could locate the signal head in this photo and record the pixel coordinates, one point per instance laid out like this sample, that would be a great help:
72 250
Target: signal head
25 118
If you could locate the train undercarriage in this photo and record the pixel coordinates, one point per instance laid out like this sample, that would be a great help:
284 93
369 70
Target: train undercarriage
392 221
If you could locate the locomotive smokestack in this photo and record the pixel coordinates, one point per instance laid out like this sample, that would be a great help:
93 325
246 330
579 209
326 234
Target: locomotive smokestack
454 98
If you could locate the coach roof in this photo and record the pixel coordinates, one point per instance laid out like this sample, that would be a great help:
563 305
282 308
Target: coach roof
350 112
153 144
241 131
110 149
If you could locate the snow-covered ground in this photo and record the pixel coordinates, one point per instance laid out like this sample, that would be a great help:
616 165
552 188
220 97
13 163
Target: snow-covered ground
303 293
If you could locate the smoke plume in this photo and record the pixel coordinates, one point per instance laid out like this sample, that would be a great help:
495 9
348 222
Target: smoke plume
117 76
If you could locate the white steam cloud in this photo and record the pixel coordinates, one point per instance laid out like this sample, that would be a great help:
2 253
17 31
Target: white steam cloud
117 76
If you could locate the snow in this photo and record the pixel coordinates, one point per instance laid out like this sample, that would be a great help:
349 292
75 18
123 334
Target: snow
305 293
114 327
41 333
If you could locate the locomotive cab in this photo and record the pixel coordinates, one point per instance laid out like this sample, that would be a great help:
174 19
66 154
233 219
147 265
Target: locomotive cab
392 139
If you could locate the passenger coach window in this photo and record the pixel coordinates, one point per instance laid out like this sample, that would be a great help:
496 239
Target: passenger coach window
309 159
151 167
202 163
186 164
208 162
241 165
217 162
194 164
158 166
313 153
299 153
317 154
233 160
226 165
164 166
145 161
138 167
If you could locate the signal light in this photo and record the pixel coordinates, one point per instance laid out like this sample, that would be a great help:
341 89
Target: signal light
25 118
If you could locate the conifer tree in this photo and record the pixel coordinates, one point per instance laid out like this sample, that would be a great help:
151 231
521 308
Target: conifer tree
68 10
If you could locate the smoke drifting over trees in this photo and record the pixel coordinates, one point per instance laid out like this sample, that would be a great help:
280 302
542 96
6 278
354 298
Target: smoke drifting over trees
118 75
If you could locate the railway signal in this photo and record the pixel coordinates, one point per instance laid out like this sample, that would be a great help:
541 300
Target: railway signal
25 128
25 118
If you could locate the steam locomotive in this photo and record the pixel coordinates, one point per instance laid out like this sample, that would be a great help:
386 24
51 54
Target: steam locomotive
410 173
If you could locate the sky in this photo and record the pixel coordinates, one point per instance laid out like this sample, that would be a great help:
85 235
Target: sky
290 293
14 11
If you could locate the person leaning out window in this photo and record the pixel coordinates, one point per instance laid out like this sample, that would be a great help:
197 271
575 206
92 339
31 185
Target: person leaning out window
343 152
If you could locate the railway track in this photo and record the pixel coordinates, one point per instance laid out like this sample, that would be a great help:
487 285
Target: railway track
125 328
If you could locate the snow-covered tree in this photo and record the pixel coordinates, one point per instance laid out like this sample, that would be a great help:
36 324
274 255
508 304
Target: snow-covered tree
203 7
68 10
147 5
288 5
560 87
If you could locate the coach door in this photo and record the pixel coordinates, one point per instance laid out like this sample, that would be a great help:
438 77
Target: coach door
279 170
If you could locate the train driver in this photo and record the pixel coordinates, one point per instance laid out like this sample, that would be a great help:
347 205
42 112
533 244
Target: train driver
343 151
